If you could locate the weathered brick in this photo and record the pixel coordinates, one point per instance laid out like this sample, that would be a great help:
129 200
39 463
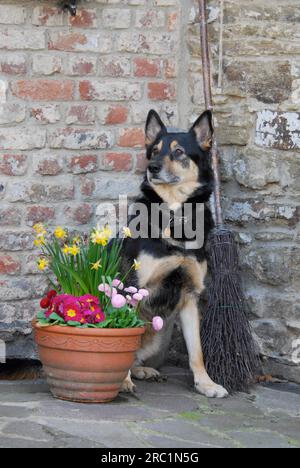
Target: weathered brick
11 113
37 192
110 91
81 66
45 114
79 213
9 265
131 138
13 64
148 42
141 163
18 138
39 214
47 165
84 19
44 90
75 41
116 18
83 164
13 241
12 14
113 115
13 164
173 20
80 114
119 162
104 187
115 66
144 67
23 288
70 138
14 39
150 19
3 91
47 16
161 91
10 216
43 64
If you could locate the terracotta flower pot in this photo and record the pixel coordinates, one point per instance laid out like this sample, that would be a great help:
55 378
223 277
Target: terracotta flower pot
86 365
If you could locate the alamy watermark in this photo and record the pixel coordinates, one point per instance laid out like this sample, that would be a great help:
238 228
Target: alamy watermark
182 223
2 352
296 351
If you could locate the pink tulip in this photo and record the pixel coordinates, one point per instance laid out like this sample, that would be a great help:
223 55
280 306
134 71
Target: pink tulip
104 288
118 284
138 297
157 323
131 290
144 292
118 301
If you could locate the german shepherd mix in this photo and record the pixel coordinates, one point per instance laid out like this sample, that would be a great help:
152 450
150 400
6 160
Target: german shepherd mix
179 172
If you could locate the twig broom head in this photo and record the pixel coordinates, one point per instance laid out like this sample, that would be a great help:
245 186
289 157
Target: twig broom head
227 341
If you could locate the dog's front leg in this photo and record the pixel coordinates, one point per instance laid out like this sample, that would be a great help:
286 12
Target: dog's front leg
191 331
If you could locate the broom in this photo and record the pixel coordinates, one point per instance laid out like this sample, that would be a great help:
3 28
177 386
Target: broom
228 345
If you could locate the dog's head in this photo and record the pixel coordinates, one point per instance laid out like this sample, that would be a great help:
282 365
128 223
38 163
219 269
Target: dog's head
178 159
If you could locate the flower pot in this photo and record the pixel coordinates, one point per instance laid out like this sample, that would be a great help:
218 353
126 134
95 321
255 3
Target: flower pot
86 365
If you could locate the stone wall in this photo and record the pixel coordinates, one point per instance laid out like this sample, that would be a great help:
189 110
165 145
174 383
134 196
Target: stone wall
74 94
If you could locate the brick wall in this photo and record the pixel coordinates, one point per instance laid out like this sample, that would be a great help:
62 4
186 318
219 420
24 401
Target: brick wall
74 94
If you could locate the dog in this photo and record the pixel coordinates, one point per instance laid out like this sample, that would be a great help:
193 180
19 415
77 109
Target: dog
179 172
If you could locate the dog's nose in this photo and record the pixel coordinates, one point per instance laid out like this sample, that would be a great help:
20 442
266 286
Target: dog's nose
154 168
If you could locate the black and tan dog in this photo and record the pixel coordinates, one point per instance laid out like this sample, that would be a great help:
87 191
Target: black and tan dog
179 172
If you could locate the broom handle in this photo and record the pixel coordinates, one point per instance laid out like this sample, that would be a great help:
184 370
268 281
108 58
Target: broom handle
209 105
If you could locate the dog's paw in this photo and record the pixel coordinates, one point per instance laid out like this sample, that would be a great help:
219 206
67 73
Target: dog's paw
211 390
146 373
128 386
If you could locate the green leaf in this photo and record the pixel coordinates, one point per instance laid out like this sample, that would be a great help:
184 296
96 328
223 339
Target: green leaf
71 323
56 317
41 315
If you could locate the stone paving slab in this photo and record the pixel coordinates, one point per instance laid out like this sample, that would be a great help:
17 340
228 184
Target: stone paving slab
161 415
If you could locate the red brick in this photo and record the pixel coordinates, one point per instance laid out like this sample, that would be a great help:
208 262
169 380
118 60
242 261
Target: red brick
84 19
81 214
72 42
8 265
172 21
83 164
161 91
132 138
47 16
146 67
87 186
10 216
49 167
44 90
116 115
80 114
82 66
39 214
119 162
13 65
13 164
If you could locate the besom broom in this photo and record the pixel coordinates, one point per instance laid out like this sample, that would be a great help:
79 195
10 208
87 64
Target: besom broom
227 341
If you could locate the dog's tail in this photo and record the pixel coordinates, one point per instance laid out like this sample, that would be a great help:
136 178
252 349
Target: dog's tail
21 370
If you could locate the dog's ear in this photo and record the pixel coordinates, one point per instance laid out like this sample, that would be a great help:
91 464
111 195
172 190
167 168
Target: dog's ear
203 130
154 126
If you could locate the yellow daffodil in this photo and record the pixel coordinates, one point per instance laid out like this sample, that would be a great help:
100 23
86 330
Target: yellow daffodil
40 229
40 240
60 233
43 264
137 265
101 237
127 232
96 266
77 240
66 249
74 250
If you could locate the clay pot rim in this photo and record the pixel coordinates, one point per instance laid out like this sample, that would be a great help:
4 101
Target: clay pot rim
94 332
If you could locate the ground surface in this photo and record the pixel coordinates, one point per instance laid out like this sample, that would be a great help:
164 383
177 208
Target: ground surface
163 415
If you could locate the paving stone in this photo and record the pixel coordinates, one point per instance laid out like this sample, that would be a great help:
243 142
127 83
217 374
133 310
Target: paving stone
261 439
274 401
172 403
10 442
27 429
164 442
14 412
191 433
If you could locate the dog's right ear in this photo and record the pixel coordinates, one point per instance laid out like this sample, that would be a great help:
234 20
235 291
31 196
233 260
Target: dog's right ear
154 127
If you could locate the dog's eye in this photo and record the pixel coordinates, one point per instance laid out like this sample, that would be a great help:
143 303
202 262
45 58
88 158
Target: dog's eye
155 151
178 152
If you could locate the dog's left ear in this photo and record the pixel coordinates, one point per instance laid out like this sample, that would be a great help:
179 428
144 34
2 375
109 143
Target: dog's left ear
203 130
